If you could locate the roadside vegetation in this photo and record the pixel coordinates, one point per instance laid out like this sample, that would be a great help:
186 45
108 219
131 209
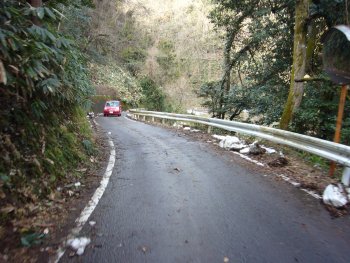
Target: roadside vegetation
45 89
273 65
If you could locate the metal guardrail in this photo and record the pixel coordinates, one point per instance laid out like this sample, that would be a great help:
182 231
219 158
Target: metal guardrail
332 151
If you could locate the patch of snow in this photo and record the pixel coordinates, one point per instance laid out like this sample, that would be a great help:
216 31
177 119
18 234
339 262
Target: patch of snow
268 150
334 196
177 125
77 184
237 147
92 223
187 128
109 133
219 137
195 130
79 244
245 150
228 141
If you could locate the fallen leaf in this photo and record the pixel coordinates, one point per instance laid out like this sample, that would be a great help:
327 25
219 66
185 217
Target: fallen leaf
7 209
3 78
2 194
144 249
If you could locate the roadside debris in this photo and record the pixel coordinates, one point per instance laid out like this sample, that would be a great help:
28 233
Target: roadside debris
279 162
90 115
143 249
79 244
92 223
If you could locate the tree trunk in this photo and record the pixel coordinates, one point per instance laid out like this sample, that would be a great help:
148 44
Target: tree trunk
296 89
310 46
225 86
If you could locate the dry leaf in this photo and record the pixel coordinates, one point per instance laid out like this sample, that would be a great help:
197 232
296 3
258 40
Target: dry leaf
8 209
2 194
3 78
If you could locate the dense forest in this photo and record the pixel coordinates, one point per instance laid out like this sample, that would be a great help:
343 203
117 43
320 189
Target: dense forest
58 57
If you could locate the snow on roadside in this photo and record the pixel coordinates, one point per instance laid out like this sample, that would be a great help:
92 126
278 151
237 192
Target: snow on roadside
79 244
335 196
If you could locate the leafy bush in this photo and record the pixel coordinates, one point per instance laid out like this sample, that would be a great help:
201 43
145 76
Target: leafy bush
44 84
317 115
153 95
133 58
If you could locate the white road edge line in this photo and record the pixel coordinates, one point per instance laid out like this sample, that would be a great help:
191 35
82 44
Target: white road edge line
285 178
89 208
296 184
249 159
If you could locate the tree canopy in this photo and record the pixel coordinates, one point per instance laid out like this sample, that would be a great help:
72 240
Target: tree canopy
261 66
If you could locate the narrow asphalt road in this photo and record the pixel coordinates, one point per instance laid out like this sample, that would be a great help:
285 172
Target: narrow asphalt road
171 199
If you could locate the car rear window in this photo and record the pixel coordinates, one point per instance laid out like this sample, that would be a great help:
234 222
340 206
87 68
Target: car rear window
112 104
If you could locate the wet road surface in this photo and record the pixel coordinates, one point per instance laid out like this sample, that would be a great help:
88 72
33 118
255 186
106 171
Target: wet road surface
171 199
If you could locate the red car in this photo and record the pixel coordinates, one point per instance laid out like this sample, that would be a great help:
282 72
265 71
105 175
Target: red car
112 107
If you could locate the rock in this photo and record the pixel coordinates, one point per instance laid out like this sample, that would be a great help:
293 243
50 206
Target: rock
334 196
279 162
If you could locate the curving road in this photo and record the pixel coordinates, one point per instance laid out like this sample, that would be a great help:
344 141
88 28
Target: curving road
174 200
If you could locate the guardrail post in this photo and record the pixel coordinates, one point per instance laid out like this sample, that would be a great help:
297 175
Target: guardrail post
163 121
346 176
152 119
144 118
209 129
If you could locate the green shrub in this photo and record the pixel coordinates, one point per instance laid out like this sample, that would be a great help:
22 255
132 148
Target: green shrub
44 85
